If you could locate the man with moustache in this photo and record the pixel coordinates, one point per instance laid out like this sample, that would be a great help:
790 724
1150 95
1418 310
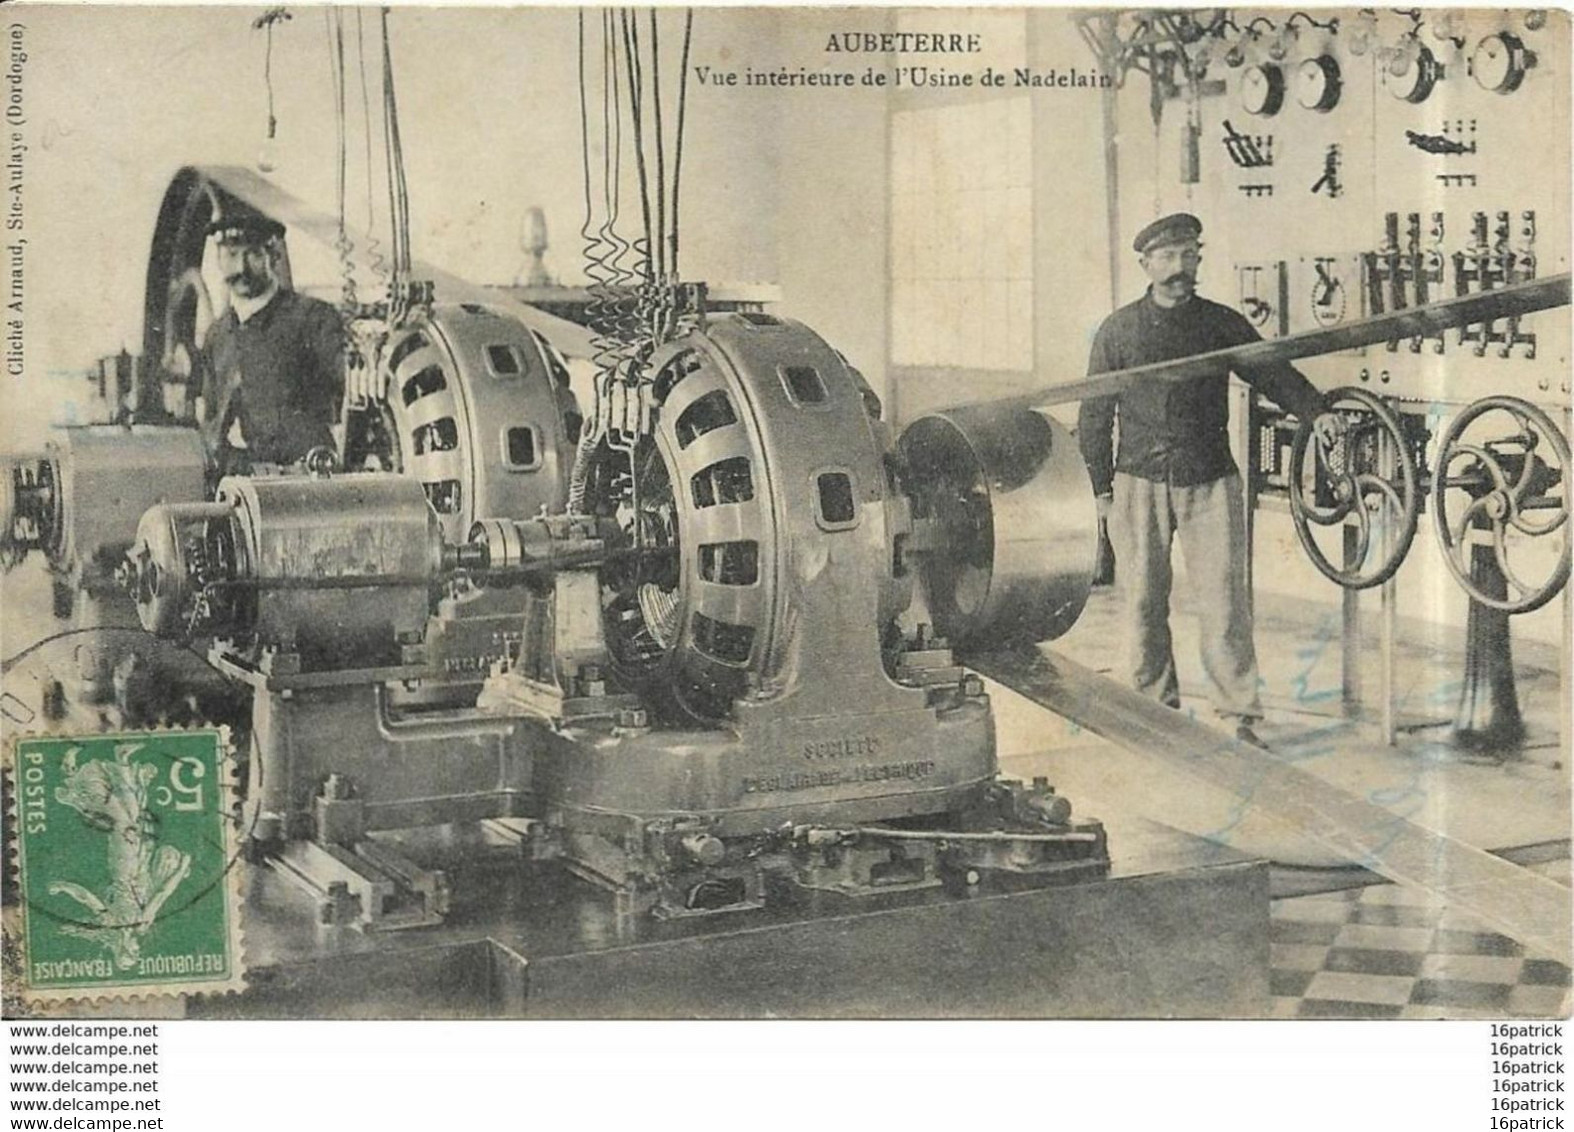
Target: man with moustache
272 367
1173 473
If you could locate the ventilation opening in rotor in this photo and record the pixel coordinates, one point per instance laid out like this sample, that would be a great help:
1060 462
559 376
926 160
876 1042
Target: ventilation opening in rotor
731 563
504 361
554 360
759 318
404 349
730 644
804 385
424 384
834 492
442 435
519 448
708 413
675 371
445 496
726 481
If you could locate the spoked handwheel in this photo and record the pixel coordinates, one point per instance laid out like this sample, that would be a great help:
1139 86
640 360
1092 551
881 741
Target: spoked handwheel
1365 480
1508 489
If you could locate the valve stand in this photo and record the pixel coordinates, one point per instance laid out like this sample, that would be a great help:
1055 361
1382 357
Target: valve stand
1366 480
1366 486
1497 494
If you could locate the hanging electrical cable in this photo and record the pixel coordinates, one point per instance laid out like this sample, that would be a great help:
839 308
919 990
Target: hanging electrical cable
343 244
661 154
677 156
377 263
399 200
598 270
637 116
635 294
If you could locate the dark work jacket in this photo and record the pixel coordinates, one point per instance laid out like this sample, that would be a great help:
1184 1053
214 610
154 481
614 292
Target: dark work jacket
1175 432
281 373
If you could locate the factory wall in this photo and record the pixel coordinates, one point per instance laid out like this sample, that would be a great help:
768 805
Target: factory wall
1522 163
830 170
1055 243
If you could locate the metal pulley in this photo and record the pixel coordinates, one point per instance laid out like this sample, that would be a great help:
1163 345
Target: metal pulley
1367 478
1501 492
1008 521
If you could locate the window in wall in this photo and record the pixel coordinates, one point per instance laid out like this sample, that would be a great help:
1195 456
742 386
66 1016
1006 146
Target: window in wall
962 235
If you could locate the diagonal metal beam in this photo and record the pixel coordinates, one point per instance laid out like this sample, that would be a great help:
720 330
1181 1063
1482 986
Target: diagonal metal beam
1529 908
1412 322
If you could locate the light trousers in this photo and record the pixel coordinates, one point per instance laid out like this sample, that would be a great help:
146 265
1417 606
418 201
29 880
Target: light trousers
1145 517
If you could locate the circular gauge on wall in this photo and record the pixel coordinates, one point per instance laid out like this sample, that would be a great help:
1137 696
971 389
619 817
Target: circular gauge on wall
1317 85
1412 74
1262 90
1500 62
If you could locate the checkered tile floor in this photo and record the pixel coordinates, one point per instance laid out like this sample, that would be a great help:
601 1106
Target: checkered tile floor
1391 952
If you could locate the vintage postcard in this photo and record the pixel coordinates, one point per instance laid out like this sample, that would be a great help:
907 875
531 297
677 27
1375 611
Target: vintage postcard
785 512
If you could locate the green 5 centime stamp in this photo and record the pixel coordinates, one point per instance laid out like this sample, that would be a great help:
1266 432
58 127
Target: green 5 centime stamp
126 864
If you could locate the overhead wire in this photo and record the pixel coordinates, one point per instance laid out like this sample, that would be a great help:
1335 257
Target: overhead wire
677 156
661 155
630 281
343 244
597 270
636 116
398 190
377 262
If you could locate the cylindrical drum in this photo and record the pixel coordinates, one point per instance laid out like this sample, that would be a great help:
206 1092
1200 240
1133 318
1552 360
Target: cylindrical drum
336 570
1014 529
108 475
342 566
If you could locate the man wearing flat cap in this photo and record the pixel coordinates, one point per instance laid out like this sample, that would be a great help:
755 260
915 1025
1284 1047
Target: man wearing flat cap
272 366
1173 474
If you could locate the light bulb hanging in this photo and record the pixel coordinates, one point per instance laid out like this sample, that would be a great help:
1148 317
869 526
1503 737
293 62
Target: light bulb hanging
268 154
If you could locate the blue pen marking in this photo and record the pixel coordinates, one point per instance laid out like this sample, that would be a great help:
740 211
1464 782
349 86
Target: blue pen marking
1311 653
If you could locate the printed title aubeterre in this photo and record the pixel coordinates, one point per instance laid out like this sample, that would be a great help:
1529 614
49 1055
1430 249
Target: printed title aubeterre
904 43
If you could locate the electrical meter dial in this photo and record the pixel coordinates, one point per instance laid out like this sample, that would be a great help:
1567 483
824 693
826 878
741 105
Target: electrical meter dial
1412 74
1262 90
1317 83
1500 62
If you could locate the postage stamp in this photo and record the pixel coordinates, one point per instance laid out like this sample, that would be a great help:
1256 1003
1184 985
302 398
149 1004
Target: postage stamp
126 865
